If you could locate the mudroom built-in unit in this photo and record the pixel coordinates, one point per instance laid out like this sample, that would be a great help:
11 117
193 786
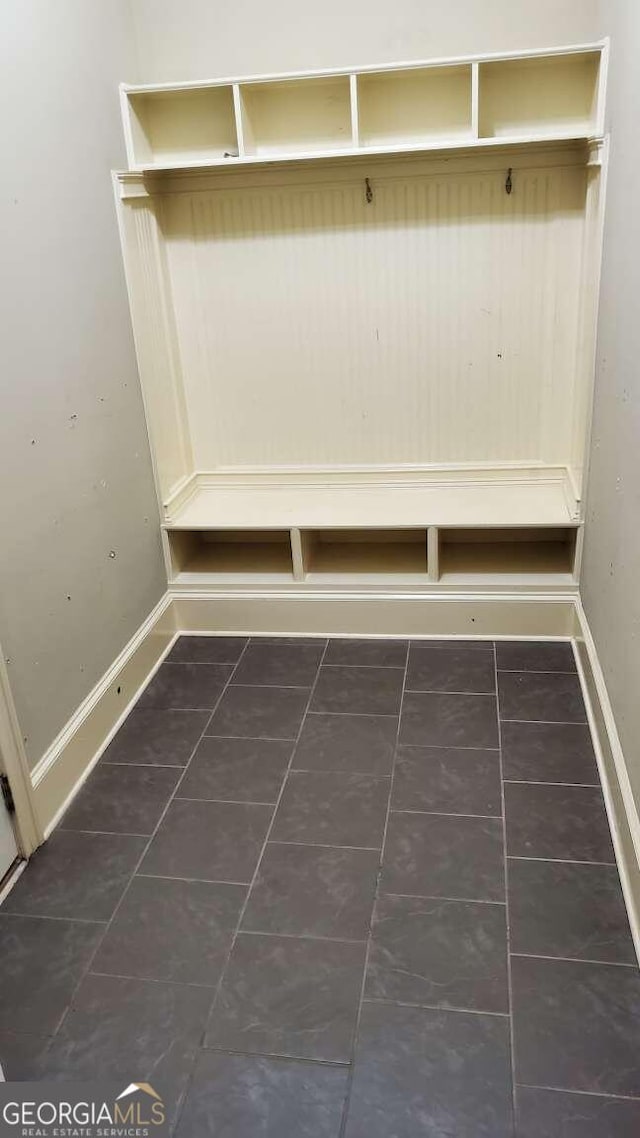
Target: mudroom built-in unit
364 311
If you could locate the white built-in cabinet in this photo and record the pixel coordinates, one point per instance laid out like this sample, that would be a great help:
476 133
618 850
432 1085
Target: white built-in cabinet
364 308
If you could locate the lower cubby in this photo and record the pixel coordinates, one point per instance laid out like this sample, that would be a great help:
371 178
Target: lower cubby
365 554
414 558
494 556
243 556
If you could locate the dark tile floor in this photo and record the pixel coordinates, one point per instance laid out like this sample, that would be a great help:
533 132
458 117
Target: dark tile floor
355 889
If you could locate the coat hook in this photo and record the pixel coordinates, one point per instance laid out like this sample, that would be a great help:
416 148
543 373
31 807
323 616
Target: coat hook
368 193
508 184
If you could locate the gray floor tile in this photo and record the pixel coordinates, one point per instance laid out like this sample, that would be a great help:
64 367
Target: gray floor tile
21 1056
436 1074
172 930
279 665
42 961
207 650
431 855
266 639
360 691
289 996
568 823
237 770
208 841
334 809
313 891
535 656
553 697
122 799
439 719
372 653
576 1025
116 1027
548 752
560 1114
186 686
448 954
157 737
447 780
456 643
76 875
450 669
241 1096
362 743
259 712
571 910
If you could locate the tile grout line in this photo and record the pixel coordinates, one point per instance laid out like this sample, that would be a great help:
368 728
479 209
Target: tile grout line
575 959
435 1007
455 900
545 782
548 722
223 970
559 860
506 899
574 1091
445 814
322 845
350 1077
539 671
277 1057
87 970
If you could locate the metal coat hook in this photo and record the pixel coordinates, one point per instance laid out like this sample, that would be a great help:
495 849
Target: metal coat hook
368 193
509 183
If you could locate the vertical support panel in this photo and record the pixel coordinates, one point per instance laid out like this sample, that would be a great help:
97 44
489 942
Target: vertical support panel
297 554
156 343
237 110
433 553
475 99
355 117
588 315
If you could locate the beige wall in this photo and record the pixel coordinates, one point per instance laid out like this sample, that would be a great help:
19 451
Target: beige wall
611 568
74 457
196 39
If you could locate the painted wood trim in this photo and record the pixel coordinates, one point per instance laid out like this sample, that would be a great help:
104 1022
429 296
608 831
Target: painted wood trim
66 764
622 808
335 613
29 832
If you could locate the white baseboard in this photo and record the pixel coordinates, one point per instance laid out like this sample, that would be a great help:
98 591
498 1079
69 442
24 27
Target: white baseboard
382 614
622 808
65 765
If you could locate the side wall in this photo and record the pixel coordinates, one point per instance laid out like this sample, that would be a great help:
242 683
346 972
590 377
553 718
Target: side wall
196 39
611 566
80 558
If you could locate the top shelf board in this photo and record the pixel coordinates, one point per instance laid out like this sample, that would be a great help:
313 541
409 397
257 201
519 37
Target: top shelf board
220 506
426 106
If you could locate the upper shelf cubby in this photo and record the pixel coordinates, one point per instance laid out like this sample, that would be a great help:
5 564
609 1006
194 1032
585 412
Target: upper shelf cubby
184 127
296 116
413 106
539 97
446 104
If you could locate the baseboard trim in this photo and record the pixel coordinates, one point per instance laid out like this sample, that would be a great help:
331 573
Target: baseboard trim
622 809
383 614
61 771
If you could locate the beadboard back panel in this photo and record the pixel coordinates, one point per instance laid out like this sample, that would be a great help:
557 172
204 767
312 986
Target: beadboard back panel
436 323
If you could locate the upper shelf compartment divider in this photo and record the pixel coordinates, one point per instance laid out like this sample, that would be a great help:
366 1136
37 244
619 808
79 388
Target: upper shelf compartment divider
479 101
